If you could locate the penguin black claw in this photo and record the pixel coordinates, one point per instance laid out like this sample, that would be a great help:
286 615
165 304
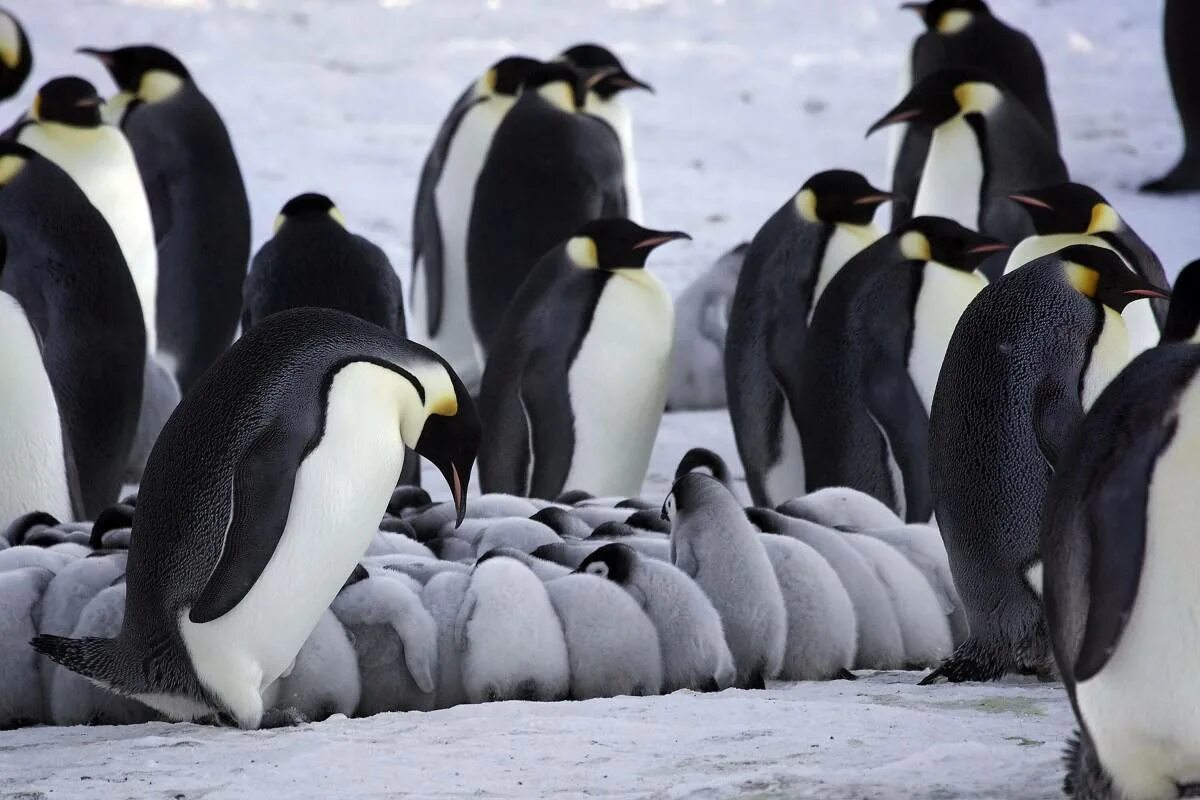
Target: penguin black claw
845 675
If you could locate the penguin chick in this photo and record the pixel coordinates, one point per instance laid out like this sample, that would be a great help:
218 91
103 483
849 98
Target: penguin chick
922 545
569 554
566 523
842 508
443 597
545 570
384 543
323 681
518 532
420 568
25 555
703 458
21 686
20 527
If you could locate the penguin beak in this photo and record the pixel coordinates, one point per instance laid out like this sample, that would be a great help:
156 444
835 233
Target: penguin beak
623 80
659 239
895 116
1150 291
1030 200
990 247
103 56
920 8
596 76
458 491
878 198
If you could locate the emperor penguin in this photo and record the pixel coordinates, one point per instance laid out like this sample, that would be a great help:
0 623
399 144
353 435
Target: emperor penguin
574 391
715 545
787 266
1072 213
603 100
1027 360
1118 543
871 361
65 268
443 596
438 300
550 169
16 57
302 425
984 144
1181 26
197 203
963 33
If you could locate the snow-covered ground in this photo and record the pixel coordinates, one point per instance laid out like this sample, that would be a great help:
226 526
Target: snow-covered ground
343 96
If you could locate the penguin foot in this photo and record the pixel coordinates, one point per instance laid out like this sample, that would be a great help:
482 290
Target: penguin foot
1085 779
845 675
756 680
1185 177
968 663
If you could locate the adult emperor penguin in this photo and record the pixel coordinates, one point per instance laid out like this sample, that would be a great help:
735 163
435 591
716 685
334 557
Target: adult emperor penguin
273 473
1119 579
575 389
441 311
1181 26
197 200
65 268
1028 358
604 101
875 346
16 58
550 169
1071 213
963 33
789 263
985 144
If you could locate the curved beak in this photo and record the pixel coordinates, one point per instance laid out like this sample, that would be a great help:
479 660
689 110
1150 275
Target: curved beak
624 80
1150 291
458 490
895 116
878 197
660 238
1030 200
920 8
990 247
104 56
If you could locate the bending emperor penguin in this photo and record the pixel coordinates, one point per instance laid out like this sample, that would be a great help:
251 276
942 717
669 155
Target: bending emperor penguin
963 33
574 391
1028 358
263 491
16 58
871 362
1120 554
604 101
1071 213
197 201
441 316
984 145
789 263
1181 26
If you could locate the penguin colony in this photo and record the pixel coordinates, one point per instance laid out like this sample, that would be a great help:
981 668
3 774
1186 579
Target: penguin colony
969 437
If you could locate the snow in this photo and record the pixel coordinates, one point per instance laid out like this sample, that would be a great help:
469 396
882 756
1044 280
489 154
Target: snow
343 96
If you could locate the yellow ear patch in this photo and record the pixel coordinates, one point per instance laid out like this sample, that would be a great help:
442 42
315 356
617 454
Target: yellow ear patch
35 110
1104 219
336 214
158 85
279 220
1084 279
975 97
954 21
914 246
445 405
806 205
10 41
582 251
9 167
559 94
489 81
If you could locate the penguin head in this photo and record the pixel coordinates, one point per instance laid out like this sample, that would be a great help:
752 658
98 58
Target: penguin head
612 561
508 75
450 434
1183 315
948 17
942 96
562 85
68 101
615 243
148 73
946 242
1103 276
616 78
16 59
310 205
839 195
692 491
1069 208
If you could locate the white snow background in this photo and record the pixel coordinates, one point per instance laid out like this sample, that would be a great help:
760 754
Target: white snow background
753 96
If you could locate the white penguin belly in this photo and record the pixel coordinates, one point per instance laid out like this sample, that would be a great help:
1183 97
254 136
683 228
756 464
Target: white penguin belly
785 478
33 475
618 385
944 296
455 197
844 243
101 163
953 176
1143 708
342 489
1109 356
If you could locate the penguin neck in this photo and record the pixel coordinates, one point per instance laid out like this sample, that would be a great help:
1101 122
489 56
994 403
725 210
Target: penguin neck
615 113
1034 247
943 296
952 182
1109 354
845 242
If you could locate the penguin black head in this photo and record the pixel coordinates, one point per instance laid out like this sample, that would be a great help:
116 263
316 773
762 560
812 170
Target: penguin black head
509 74
946 242
690 492
616 243
839 195
612 561
450 438
1103 276
561 84
309 204
948 16
150 73
16 59
597 57
1183 315
1069 208
942 96
17 530
69 101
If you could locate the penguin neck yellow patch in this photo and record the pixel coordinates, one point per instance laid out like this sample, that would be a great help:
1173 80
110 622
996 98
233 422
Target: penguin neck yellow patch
1104 219
954 21
10 41
560 95
335 214
975 97
10 166
582 252
806 205
914 246
158 85
1084 279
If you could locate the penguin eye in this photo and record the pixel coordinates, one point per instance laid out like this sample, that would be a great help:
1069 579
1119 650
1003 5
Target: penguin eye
598 568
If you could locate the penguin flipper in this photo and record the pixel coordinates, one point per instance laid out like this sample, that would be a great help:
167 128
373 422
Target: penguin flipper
1055 414
896 406
547 400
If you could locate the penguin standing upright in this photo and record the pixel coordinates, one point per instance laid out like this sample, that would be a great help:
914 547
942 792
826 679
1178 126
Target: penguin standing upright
1120 589
575 389
1071 213
1181 27
1183 318
604 101
788 264
984 144
16 59
441 311
273 473
65 268
1028 358
964 33
550 169
871 361
197 200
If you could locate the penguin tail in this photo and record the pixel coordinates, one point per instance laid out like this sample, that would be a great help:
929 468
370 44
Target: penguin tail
845 675
94 658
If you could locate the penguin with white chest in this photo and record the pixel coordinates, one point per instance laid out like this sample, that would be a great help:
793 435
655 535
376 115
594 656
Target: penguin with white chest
197 201
574 392
16 58
441 317
273 474
1120 589
1029 356
787 266
871 362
